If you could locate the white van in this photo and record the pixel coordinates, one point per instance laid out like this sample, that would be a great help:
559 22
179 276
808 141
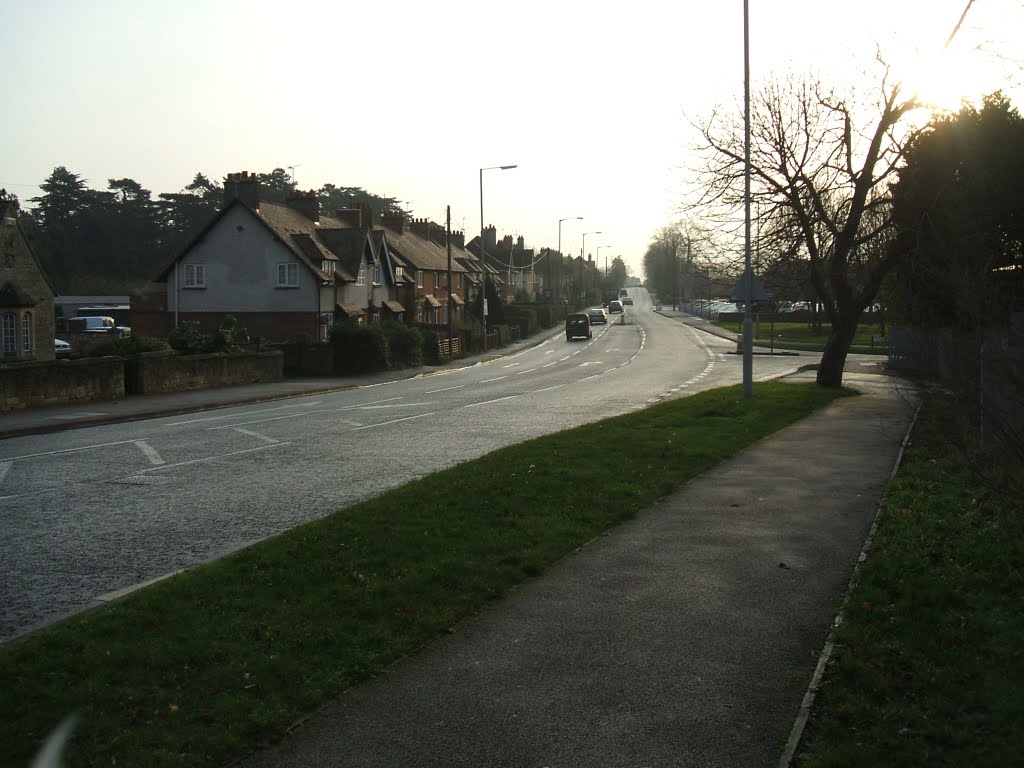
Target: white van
91 324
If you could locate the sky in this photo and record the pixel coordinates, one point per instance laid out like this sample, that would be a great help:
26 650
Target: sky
594 103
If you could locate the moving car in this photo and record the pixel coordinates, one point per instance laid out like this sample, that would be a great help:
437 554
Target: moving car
627 301
577 324
614 307
61 349
597 315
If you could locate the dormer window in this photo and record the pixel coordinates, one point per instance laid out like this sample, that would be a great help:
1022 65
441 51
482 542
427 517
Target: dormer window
327 266
376 273
361 277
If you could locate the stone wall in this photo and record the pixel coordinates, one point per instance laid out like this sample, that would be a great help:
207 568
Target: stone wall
31 384
155 372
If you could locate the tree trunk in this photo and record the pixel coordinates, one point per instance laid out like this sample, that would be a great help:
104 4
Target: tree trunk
833 358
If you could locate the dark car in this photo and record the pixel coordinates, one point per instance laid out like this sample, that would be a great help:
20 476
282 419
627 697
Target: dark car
614 307
627 301
577 325
597 315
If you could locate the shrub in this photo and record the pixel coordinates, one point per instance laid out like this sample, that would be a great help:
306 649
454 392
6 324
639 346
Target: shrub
229 337
359 348
128 346
405 345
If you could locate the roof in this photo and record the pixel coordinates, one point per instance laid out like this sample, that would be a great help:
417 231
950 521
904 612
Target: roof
350 310
394 306
9 210
432 301
419 253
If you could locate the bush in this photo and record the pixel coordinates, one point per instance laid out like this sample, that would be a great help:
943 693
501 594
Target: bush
230 337
523 316
128 346
405 345
359 348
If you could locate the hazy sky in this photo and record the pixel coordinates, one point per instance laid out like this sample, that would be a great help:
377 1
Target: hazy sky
411 99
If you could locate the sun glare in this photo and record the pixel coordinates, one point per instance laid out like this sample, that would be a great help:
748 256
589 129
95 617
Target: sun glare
945 81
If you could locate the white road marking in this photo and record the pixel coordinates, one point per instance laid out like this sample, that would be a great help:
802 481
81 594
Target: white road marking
213 458
257 435
150 451
393 405
548 365
68 450
242 415
592 362
307 413
557 386
549 352
529 370
5 467
488 381
488 402
446 389
394 421
511 365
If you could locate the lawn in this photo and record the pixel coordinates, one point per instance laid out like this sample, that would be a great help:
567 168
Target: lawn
207 665
929 660
801 336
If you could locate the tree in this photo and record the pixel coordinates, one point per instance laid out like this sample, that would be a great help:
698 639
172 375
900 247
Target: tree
182 214
823 177
617 274
957 212
275 186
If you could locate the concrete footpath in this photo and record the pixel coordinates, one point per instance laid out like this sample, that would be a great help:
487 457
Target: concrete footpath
686 637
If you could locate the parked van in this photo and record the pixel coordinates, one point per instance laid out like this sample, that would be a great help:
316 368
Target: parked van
91 324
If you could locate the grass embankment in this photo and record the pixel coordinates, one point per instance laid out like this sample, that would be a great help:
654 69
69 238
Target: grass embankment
208 664
929 662
801 336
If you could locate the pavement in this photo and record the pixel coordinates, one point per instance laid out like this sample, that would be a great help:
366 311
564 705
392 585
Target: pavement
686 637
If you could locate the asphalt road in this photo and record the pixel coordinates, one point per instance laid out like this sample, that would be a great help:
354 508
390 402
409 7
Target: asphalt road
90 512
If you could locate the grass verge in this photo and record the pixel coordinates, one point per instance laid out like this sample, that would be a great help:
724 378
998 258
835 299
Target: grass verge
800 336
213 662
928 664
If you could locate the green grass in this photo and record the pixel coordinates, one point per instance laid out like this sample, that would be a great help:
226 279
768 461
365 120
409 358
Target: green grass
929 662
202 667
800 336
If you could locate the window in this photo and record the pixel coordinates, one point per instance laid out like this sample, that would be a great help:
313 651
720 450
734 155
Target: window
419 313
327 267
26 332
376 317
288 275
7 323
376 273
195 275
361 277
419 278
399 273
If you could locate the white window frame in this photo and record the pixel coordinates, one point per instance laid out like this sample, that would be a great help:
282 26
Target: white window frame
288 274
195 276
26 332
376 273
361 277
419 278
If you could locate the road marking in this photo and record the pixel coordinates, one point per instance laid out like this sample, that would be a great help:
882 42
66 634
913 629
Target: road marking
549 352
213 458
308 413
68 450
488 402
381 407
446 389
511 365
548 365
529 370
488 381
150 451
5 467
546 389
394 421
242 415
592 362
257 435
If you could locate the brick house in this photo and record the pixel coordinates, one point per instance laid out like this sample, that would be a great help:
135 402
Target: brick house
284 271
26 295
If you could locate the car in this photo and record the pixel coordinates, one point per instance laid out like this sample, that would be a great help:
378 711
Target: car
627 301
597 315
577 324
61 349
615 307
91 325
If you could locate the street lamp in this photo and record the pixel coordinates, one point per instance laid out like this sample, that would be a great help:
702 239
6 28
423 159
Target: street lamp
483 250
568 218
583 255
748 335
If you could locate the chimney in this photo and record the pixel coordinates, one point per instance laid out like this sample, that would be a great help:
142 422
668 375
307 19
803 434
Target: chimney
366 215
306 203
351 216
520 244
394 220
490 238
459 240
243 186
420 227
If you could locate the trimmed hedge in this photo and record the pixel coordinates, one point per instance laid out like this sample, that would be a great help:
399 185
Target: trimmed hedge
359 348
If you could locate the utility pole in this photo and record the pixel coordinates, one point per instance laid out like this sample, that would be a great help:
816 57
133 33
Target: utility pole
448 246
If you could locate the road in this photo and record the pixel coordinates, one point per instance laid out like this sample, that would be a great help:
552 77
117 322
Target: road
91 512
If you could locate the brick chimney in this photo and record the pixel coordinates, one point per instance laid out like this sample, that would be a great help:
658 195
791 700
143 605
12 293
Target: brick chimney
459 240
306 203
242 186
351 216
395 221
490 238
366 215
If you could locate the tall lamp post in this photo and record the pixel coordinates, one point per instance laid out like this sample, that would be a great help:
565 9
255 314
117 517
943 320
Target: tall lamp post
748 335
568 218
483 251
583 255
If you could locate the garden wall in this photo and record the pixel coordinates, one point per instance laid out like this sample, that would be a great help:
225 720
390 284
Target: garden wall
60 382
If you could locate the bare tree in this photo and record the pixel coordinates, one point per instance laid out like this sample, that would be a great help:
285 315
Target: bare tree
821 177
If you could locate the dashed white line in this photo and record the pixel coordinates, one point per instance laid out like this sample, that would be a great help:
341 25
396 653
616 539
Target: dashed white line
257 435
394 421
488 402
529 370
150 452
446 389
243 415
488 381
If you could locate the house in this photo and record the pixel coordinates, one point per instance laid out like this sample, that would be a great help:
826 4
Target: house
284 271
26 295
420 256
